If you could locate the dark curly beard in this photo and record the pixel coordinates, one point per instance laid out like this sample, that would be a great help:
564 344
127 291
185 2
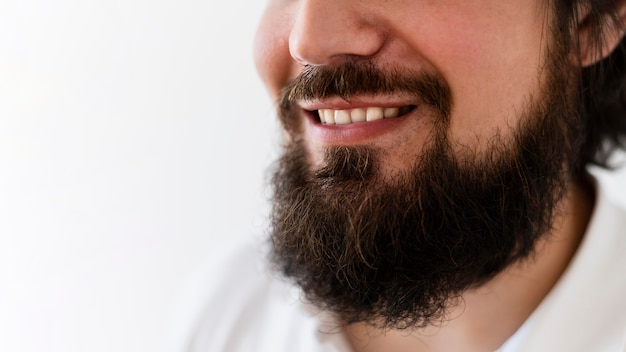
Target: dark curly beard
398 252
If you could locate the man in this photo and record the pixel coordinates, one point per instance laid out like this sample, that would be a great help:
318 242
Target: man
433 193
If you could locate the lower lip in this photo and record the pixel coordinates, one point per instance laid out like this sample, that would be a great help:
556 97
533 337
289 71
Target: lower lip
355 133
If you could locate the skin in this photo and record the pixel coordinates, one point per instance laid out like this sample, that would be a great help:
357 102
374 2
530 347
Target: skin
487 51
491 53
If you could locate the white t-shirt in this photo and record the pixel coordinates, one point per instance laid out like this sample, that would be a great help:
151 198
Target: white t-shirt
249 308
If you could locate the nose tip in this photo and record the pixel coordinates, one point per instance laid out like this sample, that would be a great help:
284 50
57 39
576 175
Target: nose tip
307 52
328 30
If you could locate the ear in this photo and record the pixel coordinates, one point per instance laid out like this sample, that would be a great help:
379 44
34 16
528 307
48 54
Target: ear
612 32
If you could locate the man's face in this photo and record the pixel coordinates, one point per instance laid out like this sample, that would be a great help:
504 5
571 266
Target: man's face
389 220
490 54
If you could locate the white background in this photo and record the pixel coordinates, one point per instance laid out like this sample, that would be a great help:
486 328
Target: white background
134 139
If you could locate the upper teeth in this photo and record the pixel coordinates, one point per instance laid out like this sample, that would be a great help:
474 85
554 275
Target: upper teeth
345 117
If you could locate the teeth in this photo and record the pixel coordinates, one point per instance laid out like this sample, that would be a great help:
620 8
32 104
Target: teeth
342 117
391 112
327 116
359 115
346 117
374 114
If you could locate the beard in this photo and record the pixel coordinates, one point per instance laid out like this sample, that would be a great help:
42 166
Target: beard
398 252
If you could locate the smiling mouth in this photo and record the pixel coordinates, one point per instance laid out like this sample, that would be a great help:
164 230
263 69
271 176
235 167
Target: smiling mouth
350 116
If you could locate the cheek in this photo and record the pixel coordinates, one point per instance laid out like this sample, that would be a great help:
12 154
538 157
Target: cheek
271 51
493 67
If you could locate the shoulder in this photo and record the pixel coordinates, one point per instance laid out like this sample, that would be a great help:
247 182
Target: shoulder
586 310
250 308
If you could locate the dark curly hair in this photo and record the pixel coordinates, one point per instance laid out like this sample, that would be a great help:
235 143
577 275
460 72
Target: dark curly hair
602 85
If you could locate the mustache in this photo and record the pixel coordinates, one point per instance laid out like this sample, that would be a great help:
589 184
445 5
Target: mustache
354 78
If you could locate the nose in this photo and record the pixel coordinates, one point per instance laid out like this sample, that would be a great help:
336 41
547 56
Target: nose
325 31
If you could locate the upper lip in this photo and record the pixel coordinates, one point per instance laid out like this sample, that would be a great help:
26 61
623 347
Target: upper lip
337 103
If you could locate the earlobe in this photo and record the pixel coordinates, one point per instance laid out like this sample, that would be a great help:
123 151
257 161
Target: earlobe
598 38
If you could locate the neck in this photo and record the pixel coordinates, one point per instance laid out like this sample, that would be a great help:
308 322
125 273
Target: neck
492 313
